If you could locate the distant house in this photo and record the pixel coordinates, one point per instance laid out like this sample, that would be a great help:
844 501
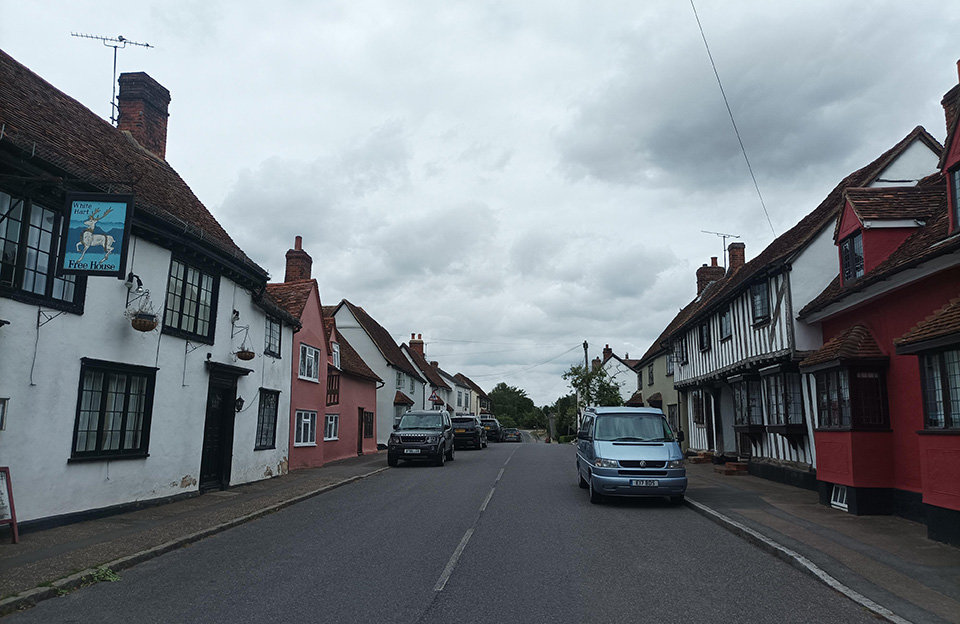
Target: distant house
737 352
478 402
438 392
622 372
885 386
403 386
170 380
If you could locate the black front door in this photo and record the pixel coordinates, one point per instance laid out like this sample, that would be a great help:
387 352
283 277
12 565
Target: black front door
217 454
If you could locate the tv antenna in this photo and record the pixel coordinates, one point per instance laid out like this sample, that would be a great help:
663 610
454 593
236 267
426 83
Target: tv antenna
116 44
724 237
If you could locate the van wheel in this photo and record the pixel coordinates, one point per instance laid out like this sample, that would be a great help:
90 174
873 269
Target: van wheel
580 480
595 497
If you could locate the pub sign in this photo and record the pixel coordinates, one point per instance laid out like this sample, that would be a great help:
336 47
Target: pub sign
96 234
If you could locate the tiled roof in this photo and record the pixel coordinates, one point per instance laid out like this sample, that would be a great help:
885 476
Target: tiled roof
45 125
429 371
941 324
470 384
292 295
898 202
636 400
660 344
853 343
785 246
351 362
402 399
384 341
927 243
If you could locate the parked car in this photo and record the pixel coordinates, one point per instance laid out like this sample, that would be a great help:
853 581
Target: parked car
512 434
629 451
467 431
494 430
421 435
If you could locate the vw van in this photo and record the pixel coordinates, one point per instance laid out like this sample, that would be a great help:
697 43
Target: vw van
629 451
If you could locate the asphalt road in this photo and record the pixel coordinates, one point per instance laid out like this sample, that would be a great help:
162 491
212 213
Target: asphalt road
501 534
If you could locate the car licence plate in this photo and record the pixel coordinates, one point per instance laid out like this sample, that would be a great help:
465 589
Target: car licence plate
459 430
644 483
411 451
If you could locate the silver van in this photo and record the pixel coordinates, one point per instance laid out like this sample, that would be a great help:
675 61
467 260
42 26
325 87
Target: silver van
629 451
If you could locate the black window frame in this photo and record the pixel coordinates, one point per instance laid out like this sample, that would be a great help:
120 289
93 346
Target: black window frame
849 413
726 324
333 388
267 422
747 403
954 178
703 336
106 370
950 407
11 282
650 375
760 302
783 393
680 350
698 407
851 258
178 328
273 337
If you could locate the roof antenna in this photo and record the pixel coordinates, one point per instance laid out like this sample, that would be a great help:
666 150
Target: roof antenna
119 42
724 237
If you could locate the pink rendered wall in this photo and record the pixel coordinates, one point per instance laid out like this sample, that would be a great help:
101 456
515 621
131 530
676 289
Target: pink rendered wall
880 243
890 317
354 394
308 395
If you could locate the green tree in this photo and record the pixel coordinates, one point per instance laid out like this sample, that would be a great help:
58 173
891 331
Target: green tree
594 386
513 407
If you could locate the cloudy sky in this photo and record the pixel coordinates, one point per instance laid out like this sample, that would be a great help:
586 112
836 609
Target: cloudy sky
509 179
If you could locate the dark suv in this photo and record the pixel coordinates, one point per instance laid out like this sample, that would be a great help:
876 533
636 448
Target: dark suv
421 435
494 430
467 431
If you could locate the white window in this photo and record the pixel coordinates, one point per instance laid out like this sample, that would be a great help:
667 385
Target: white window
309 363
411 385
459 399
466 400
332 429
399 380
335 348
306 429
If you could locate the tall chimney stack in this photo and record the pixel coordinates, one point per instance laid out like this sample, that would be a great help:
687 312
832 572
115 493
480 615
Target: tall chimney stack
951 103
707 274
299 263
142 111
607 353
737 253
416 343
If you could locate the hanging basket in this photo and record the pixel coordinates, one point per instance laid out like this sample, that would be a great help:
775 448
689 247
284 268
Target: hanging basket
245 354
144 321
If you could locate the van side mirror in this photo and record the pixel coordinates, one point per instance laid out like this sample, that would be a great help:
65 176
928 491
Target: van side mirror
395 425
583 435
680 436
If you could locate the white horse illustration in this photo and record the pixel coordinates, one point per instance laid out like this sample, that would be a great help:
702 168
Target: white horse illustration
89 239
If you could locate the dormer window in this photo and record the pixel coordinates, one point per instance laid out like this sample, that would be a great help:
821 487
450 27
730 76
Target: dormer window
851 258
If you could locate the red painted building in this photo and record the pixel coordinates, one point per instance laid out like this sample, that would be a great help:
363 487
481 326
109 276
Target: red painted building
333 393
884 389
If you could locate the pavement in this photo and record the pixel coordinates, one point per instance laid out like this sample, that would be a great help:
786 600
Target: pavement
884 563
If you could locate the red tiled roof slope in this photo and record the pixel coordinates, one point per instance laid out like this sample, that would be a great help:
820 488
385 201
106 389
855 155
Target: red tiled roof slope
351 362
853 343
402 399
942 323
899 202
430 371
292 296
381 337
47 125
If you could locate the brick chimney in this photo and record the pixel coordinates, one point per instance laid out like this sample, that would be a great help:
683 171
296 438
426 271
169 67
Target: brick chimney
416 343
142 111
737 253
707 274
299 263
607 352
596 363
951 103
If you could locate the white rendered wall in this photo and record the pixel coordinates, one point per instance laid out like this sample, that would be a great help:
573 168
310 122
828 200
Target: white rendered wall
37 440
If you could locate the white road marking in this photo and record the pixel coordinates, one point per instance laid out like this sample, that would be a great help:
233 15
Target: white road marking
447 571
483 507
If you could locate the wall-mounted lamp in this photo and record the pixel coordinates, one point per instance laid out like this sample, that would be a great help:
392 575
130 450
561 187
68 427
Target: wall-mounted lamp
235 317
239 403
130 280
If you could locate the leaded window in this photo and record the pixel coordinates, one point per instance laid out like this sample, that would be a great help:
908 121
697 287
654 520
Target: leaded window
852 397
703 336
760 302
748 406
29 245
941 389
267 420
784 399
191 302
851 258
726 324
114 407
271 344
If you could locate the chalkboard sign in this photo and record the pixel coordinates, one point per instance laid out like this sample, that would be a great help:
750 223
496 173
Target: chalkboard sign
8 513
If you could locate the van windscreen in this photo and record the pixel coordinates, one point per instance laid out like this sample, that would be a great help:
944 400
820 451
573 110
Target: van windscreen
632 428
